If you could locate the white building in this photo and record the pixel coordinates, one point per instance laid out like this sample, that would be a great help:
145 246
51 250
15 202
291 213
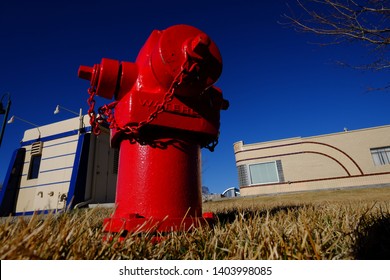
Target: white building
60 165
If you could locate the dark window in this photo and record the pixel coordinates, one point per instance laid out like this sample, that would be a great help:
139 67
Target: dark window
35 163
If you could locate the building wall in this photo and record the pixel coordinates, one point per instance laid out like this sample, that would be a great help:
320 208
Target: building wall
320 162
75 168
55 172
49 189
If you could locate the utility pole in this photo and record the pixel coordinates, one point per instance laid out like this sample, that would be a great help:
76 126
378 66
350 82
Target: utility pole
5 113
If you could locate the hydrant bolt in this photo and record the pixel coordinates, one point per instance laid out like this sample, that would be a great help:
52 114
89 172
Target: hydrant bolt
198 47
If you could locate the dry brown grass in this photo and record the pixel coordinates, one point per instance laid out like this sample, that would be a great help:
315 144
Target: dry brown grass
350 224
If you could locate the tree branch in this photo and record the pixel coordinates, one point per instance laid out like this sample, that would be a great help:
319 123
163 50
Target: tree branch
346 20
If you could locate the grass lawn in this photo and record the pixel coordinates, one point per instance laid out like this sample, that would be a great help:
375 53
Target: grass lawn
338 224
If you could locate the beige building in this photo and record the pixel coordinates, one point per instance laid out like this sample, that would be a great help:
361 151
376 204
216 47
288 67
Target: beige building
359 158
59 166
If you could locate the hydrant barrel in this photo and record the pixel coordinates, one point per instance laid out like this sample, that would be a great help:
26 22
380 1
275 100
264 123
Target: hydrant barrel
171 191
160 187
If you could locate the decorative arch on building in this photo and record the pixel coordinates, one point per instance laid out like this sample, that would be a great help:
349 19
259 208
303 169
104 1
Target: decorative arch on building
344 154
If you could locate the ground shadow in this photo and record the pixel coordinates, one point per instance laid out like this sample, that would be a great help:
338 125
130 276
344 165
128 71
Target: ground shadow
373 239
230 216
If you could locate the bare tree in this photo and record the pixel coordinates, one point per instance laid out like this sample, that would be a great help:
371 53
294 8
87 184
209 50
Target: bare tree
364 21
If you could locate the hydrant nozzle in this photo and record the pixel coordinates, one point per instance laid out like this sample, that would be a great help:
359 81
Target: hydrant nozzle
85 72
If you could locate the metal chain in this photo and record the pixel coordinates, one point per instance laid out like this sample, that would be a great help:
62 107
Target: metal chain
91 111
106 114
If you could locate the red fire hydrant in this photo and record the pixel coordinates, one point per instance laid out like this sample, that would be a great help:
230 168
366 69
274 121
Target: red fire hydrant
166 108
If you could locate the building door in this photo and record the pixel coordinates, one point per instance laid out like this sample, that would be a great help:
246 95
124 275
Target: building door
104 180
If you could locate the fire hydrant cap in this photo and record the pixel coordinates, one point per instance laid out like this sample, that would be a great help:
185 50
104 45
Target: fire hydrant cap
178 42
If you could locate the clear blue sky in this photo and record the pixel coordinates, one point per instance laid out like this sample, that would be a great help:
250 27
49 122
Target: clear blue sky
279 84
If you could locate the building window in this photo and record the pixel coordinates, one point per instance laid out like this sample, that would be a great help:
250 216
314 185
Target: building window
381 156
263 173
35 163
243 178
